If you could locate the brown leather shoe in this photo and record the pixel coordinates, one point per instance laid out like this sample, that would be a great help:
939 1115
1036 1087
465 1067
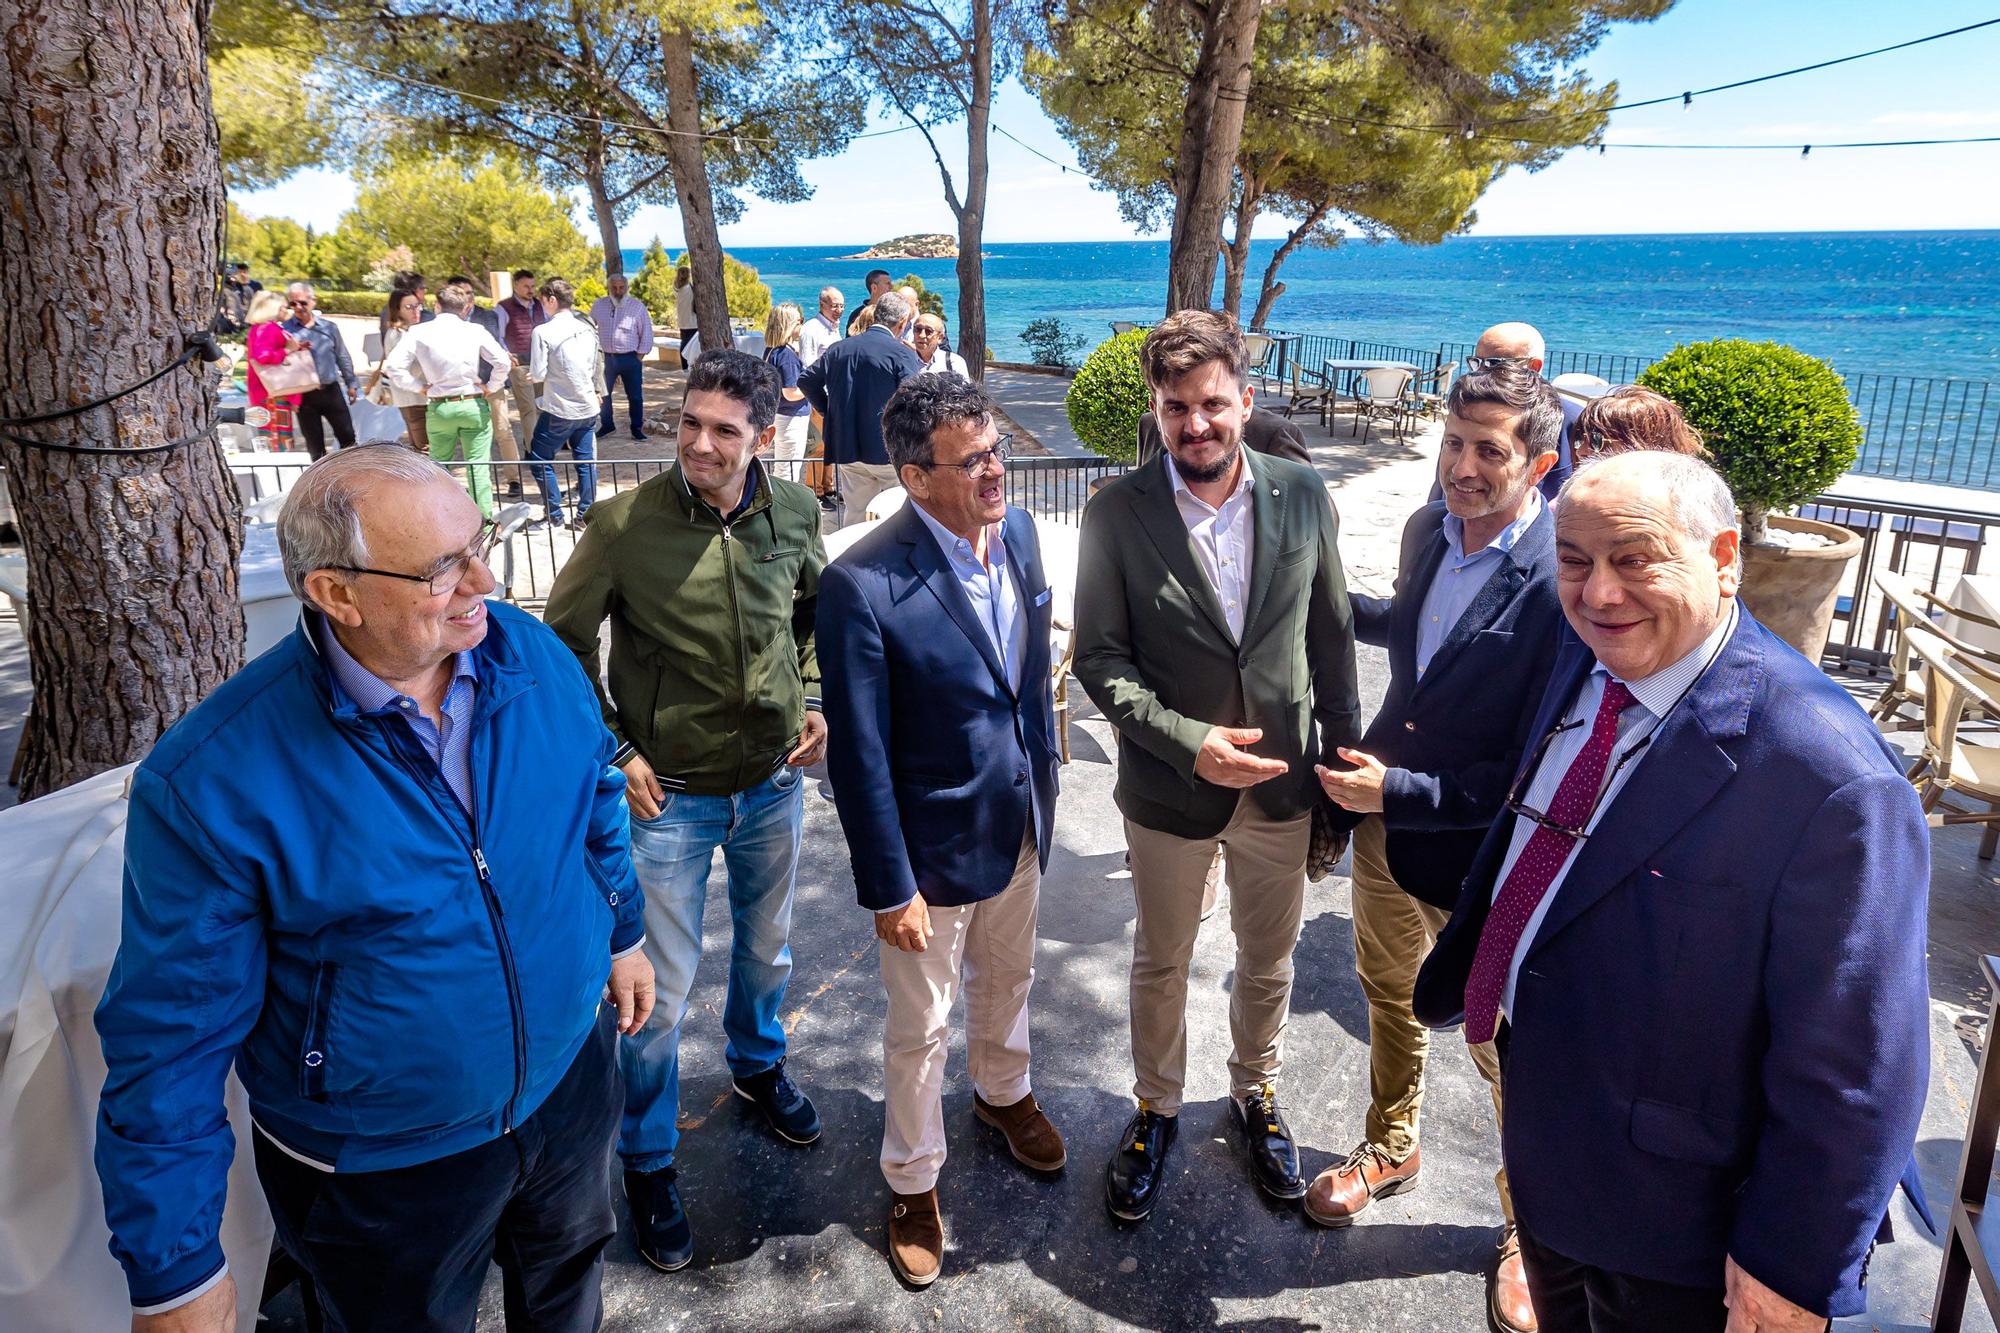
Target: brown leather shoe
1030 1137
1507 1302
1341 1192
916 1237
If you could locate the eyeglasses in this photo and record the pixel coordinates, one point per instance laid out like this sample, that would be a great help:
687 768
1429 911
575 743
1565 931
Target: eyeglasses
447 573
300 304
1520 807
1475 365
975 464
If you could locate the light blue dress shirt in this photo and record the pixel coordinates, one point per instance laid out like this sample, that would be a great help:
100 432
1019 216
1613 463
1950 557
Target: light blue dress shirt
449 745
987 586
1460 577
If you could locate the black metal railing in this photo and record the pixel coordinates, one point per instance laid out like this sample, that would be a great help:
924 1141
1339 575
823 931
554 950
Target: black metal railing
1932 546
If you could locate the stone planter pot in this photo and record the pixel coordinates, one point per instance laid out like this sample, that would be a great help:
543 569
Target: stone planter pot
1793 590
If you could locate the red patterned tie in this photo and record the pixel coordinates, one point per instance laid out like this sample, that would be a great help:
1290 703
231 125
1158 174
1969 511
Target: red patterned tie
1539 863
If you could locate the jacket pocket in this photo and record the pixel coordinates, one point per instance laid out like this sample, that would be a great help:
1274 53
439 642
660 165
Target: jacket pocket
612 897
1685 1135
313 1042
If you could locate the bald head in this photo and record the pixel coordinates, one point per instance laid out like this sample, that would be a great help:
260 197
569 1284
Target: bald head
1515 341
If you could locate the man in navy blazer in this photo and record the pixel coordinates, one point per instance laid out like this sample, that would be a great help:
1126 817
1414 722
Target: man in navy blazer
849 386
1699 928
1471 634
934 645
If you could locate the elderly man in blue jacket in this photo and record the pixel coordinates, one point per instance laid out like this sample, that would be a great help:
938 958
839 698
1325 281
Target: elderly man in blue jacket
384 871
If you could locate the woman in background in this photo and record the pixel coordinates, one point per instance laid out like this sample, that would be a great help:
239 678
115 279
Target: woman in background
684 307
404 311
1629 417
781 350
266 345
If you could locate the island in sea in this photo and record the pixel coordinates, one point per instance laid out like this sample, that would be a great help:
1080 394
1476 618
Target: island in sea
934 245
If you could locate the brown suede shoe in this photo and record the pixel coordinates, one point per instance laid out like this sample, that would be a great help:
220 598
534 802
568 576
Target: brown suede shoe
916 1237
1341 1192
1507 1303
1030 1137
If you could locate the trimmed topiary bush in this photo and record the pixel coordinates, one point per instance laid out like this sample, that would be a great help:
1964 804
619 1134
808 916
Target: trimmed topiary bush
1778 423
1109 395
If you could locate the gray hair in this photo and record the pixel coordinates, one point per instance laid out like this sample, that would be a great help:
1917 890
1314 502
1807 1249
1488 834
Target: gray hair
891 310
305 287
1697 496
832 294
320 524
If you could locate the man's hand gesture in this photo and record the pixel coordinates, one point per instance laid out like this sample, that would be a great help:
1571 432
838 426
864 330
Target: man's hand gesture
907 927
1224 764
642 788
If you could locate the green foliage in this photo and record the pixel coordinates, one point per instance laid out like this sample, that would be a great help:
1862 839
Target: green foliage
1050 342
1778 423
589 289
334 301
928 301
272 106
655 283
749 295
276 249
1109 395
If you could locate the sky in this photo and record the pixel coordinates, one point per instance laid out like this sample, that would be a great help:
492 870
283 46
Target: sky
1941 89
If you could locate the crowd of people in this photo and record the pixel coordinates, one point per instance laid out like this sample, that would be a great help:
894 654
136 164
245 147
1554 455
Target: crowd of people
1663 873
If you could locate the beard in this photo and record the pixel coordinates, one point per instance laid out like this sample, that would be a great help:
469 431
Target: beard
1201 476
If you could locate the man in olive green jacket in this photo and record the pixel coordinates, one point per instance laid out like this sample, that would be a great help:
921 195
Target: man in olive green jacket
1213 631
709 574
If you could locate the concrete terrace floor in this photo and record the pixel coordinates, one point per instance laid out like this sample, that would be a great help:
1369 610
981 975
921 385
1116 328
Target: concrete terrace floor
792 1239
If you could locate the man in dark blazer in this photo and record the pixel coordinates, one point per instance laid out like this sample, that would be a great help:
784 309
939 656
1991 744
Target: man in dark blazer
1266 432
934 644
849 386
1699 933
1213 631
1471 634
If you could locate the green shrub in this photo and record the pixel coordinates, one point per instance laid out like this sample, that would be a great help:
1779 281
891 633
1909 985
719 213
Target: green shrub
1779 423
748 295
1050 343
368 303
928 301
1109 395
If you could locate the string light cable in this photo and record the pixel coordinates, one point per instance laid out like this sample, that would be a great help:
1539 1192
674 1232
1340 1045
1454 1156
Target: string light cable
202 344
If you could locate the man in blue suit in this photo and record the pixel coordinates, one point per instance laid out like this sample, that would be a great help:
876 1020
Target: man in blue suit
934 645
1471 634
1698 934
849 386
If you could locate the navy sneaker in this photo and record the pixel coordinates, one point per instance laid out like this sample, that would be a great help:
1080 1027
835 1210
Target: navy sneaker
774 1093
659 1223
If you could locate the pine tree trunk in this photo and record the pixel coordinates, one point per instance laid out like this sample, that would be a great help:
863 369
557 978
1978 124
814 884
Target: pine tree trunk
1272 288
111 180
1236 255
697 201
605 212
1211 130
972 217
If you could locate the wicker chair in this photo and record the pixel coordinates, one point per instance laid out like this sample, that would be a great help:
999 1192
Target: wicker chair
1955 685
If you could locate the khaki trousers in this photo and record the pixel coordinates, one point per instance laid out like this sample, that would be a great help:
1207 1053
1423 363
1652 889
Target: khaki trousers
505 450
525 411
986 950
1393 933
1266 869
860 483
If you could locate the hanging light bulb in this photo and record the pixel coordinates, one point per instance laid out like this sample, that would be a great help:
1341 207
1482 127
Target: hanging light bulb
1687 101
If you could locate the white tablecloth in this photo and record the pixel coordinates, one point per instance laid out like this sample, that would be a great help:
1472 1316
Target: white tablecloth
1978 593
59 920
753 343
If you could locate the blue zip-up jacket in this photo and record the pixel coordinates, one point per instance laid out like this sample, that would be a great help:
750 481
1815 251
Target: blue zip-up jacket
394 980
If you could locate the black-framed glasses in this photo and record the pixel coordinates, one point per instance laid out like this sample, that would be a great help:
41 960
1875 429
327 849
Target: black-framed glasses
1475 365
1519 806
974 464
447 573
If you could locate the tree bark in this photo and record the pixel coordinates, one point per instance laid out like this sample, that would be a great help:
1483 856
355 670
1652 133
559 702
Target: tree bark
972 217
690 173
604 211
1272 288
108 249
1211 130
1236 255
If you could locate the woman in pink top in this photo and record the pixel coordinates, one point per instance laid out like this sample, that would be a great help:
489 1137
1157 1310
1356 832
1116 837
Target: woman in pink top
267 345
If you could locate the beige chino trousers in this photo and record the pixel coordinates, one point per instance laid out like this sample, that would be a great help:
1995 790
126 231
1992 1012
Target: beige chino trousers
1393 934
1266 869
987 951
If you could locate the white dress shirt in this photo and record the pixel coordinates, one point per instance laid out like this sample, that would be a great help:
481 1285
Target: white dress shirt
441 359
1656 695
562 358
815 336
623 325
1222 539
943 360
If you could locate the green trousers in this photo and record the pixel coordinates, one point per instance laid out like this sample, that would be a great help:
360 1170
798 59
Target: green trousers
465 424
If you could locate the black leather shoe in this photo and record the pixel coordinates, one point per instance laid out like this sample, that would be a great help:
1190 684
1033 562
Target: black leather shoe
1132 1180
659 1223
790 1113
1274 1158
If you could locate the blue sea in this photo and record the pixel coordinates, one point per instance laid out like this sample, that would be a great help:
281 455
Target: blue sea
1910 303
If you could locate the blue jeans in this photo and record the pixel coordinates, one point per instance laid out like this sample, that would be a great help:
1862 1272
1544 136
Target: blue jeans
623 366
553 435
758 832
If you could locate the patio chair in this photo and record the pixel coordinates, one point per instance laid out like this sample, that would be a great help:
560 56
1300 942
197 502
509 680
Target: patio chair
1119 326
1260 346
1383 397
1310 389
1427 395
1914 609
1954 684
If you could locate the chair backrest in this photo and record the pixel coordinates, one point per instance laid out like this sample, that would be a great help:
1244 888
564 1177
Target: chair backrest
1259 346
1119 326
371 347
1441 379
1953 682
1385 384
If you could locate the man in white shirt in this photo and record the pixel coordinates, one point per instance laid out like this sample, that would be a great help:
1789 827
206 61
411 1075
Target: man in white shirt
823 329
563 359
441 360
934 351
625 334
909 294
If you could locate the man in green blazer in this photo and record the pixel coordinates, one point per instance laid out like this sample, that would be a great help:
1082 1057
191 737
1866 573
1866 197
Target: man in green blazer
1213 631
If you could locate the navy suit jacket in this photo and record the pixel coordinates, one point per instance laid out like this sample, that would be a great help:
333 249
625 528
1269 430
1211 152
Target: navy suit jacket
1721 1039
849 386
1453 738
936 764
